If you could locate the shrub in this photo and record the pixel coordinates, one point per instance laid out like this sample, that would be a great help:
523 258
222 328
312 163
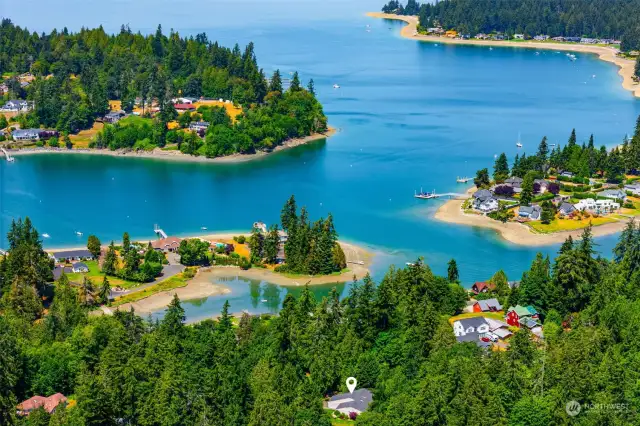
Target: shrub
241 239
597 185
353 415
504 190
281 269
553 188
629 205
189 273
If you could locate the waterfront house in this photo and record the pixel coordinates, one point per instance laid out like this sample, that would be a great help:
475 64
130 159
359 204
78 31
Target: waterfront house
587 40
615 194
354 402
600 207
517 313
489 305
48 403
573 39
482 287
558 38
80 267
481 36
72 255
634 188
26 135
541 37
169 244
530 212
484 201
566 209
518 36
498 37
451 34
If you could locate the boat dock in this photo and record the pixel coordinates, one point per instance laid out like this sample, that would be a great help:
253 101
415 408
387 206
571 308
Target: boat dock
429 195
159 231
7 155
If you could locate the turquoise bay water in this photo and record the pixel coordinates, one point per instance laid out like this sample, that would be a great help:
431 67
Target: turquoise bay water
410 115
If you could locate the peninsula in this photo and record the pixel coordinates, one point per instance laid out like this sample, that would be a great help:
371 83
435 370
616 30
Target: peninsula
169 97
606 53
555 194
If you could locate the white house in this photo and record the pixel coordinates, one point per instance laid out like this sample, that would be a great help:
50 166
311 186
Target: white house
597 206
80 267
474 325
16 106
199 126
26 134
518 36
487 206
634 188
615 194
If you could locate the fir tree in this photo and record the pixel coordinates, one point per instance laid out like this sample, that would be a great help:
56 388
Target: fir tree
295 83
452 271
501 168
311 88
105 291
110 263
271 245
256 246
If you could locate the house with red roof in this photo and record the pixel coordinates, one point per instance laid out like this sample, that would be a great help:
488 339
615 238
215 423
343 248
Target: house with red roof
482 287
48 403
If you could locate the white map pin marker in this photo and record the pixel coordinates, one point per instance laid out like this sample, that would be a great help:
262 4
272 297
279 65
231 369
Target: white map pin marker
351 384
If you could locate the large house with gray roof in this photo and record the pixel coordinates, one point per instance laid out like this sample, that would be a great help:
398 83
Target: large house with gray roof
356 402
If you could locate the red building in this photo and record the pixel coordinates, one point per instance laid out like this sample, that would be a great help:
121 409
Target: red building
482 287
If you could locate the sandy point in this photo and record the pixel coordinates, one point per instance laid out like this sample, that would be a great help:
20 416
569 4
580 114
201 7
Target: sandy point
199 287
516 233
608 54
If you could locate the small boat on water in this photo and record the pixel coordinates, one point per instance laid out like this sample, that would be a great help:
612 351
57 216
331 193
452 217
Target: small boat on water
45 235
264 300
336 86
78 233
425 195
463 180
410 264
204 228
519 144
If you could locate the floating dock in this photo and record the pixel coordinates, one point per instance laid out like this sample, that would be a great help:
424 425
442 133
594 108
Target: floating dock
159 231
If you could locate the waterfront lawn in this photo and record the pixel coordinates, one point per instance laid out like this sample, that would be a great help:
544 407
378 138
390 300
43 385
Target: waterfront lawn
135 120
96 277
174 282
558 225
84 137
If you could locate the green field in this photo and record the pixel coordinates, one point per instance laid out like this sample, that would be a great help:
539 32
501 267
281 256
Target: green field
559 225
96 277
169 284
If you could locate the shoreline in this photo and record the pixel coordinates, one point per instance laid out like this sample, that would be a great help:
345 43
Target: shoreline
516 233
626 67
159 154
205 283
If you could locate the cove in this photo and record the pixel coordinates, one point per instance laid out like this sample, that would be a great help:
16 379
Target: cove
410 115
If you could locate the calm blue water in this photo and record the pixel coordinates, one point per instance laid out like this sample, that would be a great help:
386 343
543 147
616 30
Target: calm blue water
410 115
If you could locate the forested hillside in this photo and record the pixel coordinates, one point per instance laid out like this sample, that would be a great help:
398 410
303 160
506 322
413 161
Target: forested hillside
616 19
76 74
392 335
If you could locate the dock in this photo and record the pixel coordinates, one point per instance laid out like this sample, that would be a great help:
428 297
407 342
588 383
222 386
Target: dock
159 231
7 155
429 195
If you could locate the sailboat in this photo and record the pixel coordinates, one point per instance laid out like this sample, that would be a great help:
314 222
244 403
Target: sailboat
519 144
336 86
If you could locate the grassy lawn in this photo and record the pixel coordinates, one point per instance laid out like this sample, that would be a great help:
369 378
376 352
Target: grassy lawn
96 277
82 139
169 284
494 315
134 119
558 225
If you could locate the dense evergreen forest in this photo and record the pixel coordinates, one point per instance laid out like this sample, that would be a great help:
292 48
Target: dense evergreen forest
275 370
615 19
78 73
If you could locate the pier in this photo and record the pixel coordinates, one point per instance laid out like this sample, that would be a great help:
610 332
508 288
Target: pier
7 155
159 231
430 195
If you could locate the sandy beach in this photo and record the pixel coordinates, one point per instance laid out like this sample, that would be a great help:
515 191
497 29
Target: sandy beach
198 288
609 54
516 233
159 154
